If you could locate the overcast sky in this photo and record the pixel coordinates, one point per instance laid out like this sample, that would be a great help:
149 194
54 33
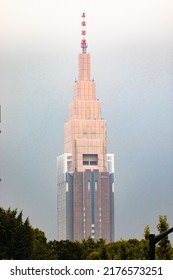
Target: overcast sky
131 47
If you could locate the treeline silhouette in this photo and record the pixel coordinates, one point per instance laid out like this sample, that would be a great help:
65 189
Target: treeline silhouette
20 241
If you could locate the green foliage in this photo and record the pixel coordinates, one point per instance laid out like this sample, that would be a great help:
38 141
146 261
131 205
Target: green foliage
16 236
95 250
147 232
66 249
90 246
131 249
144 249
41 249
19 241
94 256
163 249
163 224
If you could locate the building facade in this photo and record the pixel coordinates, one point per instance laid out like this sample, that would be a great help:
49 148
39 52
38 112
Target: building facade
85 196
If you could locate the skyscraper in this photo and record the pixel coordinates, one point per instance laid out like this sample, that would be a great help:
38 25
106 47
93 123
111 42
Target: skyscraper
85 196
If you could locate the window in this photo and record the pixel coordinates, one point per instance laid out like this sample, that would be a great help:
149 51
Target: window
93 162
90 159
88 185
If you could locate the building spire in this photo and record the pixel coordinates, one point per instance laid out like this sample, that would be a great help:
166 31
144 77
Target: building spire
83 33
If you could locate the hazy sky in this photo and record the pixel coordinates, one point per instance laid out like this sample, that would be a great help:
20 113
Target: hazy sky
131 47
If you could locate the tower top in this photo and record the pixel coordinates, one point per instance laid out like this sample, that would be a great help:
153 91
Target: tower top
83 33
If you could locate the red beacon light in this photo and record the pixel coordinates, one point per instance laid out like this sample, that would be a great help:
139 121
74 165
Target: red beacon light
83 41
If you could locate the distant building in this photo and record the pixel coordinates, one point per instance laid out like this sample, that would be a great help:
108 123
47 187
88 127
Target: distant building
85 180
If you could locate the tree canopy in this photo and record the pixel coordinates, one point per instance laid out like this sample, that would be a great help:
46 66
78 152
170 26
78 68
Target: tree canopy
20 241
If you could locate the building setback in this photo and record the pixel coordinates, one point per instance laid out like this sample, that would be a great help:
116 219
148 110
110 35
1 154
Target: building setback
85 179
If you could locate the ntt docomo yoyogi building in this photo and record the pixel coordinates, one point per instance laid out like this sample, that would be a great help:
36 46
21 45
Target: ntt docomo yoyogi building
85 172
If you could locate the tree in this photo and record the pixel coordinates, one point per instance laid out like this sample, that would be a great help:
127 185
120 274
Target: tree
163 250
119 250
144 245
16 236
94 256
66 249
134 249
19 241
147 232
23 241
89 246
104 255
41 249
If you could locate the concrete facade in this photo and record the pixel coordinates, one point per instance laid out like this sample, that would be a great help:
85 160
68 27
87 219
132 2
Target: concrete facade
85 171
85 131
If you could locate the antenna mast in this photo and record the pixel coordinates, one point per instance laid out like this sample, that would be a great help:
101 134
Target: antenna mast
83 33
